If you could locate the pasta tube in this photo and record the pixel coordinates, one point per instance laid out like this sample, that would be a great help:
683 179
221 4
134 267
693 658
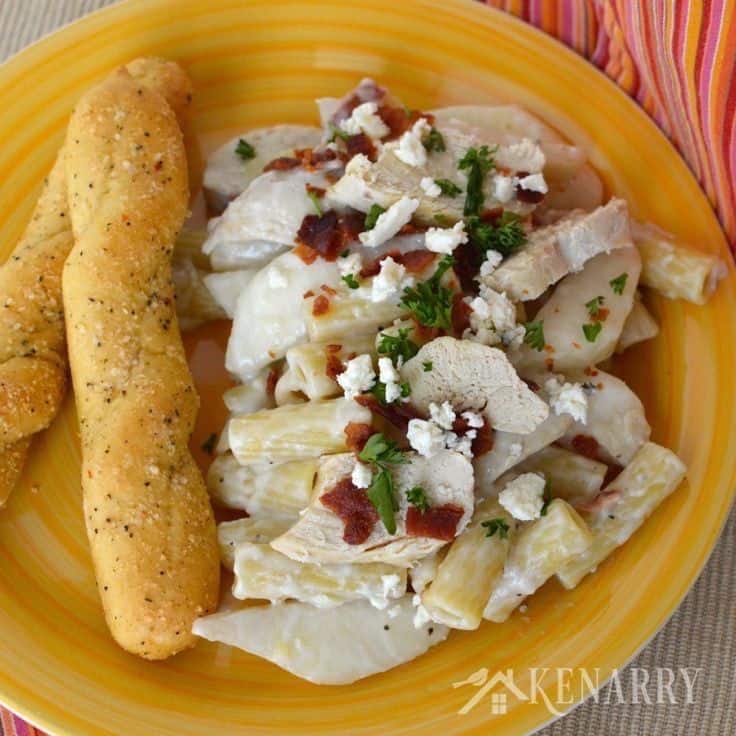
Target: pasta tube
258 530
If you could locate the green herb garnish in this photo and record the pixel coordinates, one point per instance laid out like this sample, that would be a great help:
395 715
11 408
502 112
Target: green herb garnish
594 306
434 141
534 334
448 188
405 389
337 133
506 236
381 452
372 217
417 496
430 301
397 346
351 281
477 162
592 331
427 366
619 283
315 201
245 150
345 253
496 525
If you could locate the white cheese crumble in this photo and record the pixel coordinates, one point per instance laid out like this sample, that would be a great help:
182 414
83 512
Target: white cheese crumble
515 450
351 264
425 437
389 280
389 222
430 187
411 149
525 155
389 376
503 188
491 263
443 415
473 419
421 615
445 240
364 119
463 445
361 476
523 497
568 398
357 377
392 587
492 316
514 338
534 183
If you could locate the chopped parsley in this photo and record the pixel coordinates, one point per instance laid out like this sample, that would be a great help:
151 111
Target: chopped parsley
245 150
619 283
405 389
337 133
443 220
372 217
351 281
506 236
397 346
382 452
592 331
534 334
209 444
547 497
448 188
379 391
434 141
594 306
315 201
427 366
476 162
496 525
417 496
430 301
345 253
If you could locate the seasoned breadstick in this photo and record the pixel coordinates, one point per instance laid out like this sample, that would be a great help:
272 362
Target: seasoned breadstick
148 516
33 363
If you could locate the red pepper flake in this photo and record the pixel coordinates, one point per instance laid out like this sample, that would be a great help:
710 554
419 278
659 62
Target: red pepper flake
484 437
361 143
398 414
585 445
307 254
461 312
283 163
437 522
333 348
602 314
356 435
320 305
307 294
354 508
271 380
333 366
328 290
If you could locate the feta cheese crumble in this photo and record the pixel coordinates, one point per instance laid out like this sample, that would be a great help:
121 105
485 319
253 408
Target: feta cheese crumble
425 437
421 615
523 497
473 419
364 119
411 149
389 280
568 398
350 265
443 415
492 316
389 376
491 263
357 377
534 183
361 476
445 240
430 187
503 188
390 222
525 155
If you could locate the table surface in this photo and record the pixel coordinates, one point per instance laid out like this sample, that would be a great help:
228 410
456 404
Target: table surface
700 636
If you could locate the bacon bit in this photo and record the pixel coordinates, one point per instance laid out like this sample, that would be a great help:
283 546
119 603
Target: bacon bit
527 195
613 471
283 163
312 160
491 215
307 294
398 414
331 176
372 268
602 315
369 92
585 445
308 255
356 435
399 121
412 228
319 191
590 371
271 380
549 349
351 223
533 385
467 265
423 333
460 314
320 305
354 508
333 366
602 501
328 290
333 348
361 143
416 261
484 437
437 522
352 355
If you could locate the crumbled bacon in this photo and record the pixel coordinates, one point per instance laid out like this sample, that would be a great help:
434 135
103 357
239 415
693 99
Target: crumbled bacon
308 255
398 414
416 261
461 312
356 435
333 366
283 163
612 472
361 143
484 437
311 159
320 305
437 522
271 380
399 119
366 91
585 445
354 508
423 333
326 235
467 265
527 195
333 348
319 191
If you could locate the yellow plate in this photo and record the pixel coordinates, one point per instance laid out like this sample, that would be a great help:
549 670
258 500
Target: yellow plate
258 62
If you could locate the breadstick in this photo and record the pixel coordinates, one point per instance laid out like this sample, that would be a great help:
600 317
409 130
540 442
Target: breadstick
33 363
148 516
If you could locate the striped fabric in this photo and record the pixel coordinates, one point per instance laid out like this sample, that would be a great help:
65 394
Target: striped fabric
677 58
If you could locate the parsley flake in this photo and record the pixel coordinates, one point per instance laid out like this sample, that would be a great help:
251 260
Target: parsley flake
592 331
315 201
594 306
427 366
381 494
448 188
496 525
372 217
619 283
434 141
417 496
534 334
381 452
477 162
351 281
245 150
337 133
506 236
397 346
430 301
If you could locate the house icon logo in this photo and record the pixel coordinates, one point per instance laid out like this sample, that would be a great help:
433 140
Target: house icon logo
499 686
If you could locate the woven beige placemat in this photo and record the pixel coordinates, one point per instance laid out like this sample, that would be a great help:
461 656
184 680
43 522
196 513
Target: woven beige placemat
701 636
